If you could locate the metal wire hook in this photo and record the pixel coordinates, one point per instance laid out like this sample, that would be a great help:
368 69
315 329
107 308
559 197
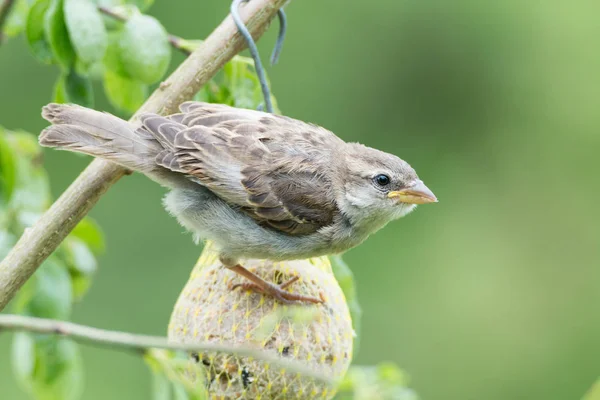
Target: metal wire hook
280 36
254 50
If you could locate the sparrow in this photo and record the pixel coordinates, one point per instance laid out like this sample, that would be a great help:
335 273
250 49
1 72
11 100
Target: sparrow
258 185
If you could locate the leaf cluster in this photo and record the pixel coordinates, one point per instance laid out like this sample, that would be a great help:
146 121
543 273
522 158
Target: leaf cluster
382 382
126 56
48 367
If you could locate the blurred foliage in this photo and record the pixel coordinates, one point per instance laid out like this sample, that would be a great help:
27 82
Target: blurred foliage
86 31
17 19
594 392
48 367
382 382
237 85
144 49
170 377
73 34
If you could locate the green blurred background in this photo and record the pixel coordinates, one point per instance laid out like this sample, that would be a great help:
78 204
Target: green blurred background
491 294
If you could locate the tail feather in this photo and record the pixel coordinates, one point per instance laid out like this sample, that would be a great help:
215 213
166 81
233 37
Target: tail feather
99 134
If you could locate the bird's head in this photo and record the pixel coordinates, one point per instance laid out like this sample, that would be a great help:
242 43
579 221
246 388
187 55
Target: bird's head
378 187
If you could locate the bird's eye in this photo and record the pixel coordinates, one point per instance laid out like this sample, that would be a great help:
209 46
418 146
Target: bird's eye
382 180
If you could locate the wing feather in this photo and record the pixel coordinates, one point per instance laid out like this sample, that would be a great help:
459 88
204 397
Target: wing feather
274 168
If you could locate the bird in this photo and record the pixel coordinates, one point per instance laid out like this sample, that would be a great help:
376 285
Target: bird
258 185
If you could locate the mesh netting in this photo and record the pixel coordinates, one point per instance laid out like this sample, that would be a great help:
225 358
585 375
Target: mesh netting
320 336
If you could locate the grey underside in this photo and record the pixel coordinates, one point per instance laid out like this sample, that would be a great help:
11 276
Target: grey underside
238 236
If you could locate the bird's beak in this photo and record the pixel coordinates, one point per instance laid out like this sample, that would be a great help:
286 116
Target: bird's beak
417 193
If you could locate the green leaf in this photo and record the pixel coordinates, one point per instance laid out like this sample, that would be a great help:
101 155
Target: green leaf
8 172
594 392
39 45
298 316
383 382
93 71
189 45
343 274
124 93
144 49
48 294
175 367
238 85
161 387
74 88
48 367
86 30
32 195
23 356
80 284
243 84
79 257
211 92
390 373
57 34
89 231
17 19
179 392
60 90
112 57
23 178
32 192
26 145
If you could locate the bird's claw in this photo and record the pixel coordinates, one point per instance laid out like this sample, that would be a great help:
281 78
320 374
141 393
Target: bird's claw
278 292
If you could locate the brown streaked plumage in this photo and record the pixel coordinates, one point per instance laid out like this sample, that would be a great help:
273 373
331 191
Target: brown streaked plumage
259 185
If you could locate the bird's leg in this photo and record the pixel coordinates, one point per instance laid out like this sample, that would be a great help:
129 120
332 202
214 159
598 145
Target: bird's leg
259 285
253 286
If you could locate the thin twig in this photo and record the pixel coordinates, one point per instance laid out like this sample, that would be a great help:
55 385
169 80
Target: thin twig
5 8
143 343
175 41
111 13
39 241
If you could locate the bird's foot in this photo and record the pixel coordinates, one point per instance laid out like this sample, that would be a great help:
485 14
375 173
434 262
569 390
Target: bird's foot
278 292
259 285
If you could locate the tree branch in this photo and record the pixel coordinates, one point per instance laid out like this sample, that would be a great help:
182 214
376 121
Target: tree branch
38 242
143 343
5 8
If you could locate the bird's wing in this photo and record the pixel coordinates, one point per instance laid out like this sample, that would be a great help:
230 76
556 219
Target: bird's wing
274 168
